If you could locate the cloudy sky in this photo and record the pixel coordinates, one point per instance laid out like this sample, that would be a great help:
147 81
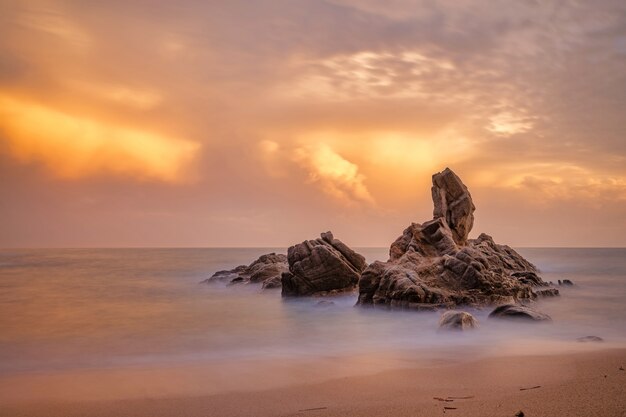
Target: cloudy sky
262 123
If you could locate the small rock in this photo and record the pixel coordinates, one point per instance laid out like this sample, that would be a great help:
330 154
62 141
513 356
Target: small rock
520 413
590 339
221 276
267 269
512 311
567 282
457 320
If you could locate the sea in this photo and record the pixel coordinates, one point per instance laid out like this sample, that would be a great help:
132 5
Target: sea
99 324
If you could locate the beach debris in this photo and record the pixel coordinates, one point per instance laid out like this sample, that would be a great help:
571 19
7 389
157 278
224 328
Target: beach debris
267 269
590 339
457 320
529 388
314 409
449 399
514 311
324 266
520 413
434 263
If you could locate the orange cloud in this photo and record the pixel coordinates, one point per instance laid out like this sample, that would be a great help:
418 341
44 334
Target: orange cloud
73 147
507 123
141 99
552 181
335 175
53 22
366 74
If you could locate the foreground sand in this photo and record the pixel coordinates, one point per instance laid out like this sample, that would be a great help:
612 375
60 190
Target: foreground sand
581 384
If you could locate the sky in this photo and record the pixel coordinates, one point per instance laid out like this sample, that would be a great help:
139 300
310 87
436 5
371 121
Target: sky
263 123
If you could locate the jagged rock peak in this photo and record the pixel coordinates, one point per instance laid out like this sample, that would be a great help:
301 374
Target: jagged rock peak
453 203
434 265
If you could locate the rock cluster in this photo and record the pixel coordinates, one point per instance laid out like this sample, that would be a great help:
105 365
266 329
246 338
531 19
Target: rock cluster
431 265
267 270
320 267
434 264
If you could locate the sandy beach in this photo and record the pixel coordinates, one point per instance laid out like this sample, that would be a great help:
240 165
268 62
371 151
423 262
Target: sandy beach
578 384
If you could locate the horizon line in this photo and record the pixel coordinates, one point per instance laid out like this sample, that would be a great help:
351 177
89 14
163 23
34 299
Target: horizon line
265 247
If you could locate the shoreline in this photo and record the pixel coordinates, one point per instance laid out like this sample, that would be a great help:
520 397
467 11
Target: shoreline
572 384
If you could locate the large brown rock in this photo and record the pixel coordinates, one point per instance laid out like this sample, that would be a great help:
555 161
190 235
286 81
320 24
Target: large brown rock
321 266
434 264
266 270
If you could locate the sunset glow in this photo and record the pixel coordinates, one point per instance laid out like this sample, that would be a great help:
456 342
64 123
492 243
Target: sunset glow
74 147
243 117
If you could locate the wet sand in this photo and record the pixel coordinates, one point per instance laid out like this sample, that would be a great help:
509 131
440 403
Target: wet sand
579 384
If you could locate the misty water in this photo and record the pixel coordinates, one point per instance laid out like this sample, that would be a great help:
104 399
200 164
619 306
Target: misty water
109 311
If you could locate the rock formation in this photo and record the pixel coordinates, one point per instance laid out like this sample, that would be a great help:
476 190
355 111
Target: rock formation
266 270
457 320
513 311
433 264
321 266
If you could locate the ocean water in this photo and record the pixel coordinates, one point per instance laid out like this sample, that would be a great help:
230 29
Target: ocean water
116 323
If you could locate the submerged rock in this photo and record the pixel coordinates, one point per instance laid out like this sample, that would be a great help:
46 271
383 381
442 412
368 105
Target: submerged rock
457 320
324 304
321 266
513 311
590 339
267 269
434 264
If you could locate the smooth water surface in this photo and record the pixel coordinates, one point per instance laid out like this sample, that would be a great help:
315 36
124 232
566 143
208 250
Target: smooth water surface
75 311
